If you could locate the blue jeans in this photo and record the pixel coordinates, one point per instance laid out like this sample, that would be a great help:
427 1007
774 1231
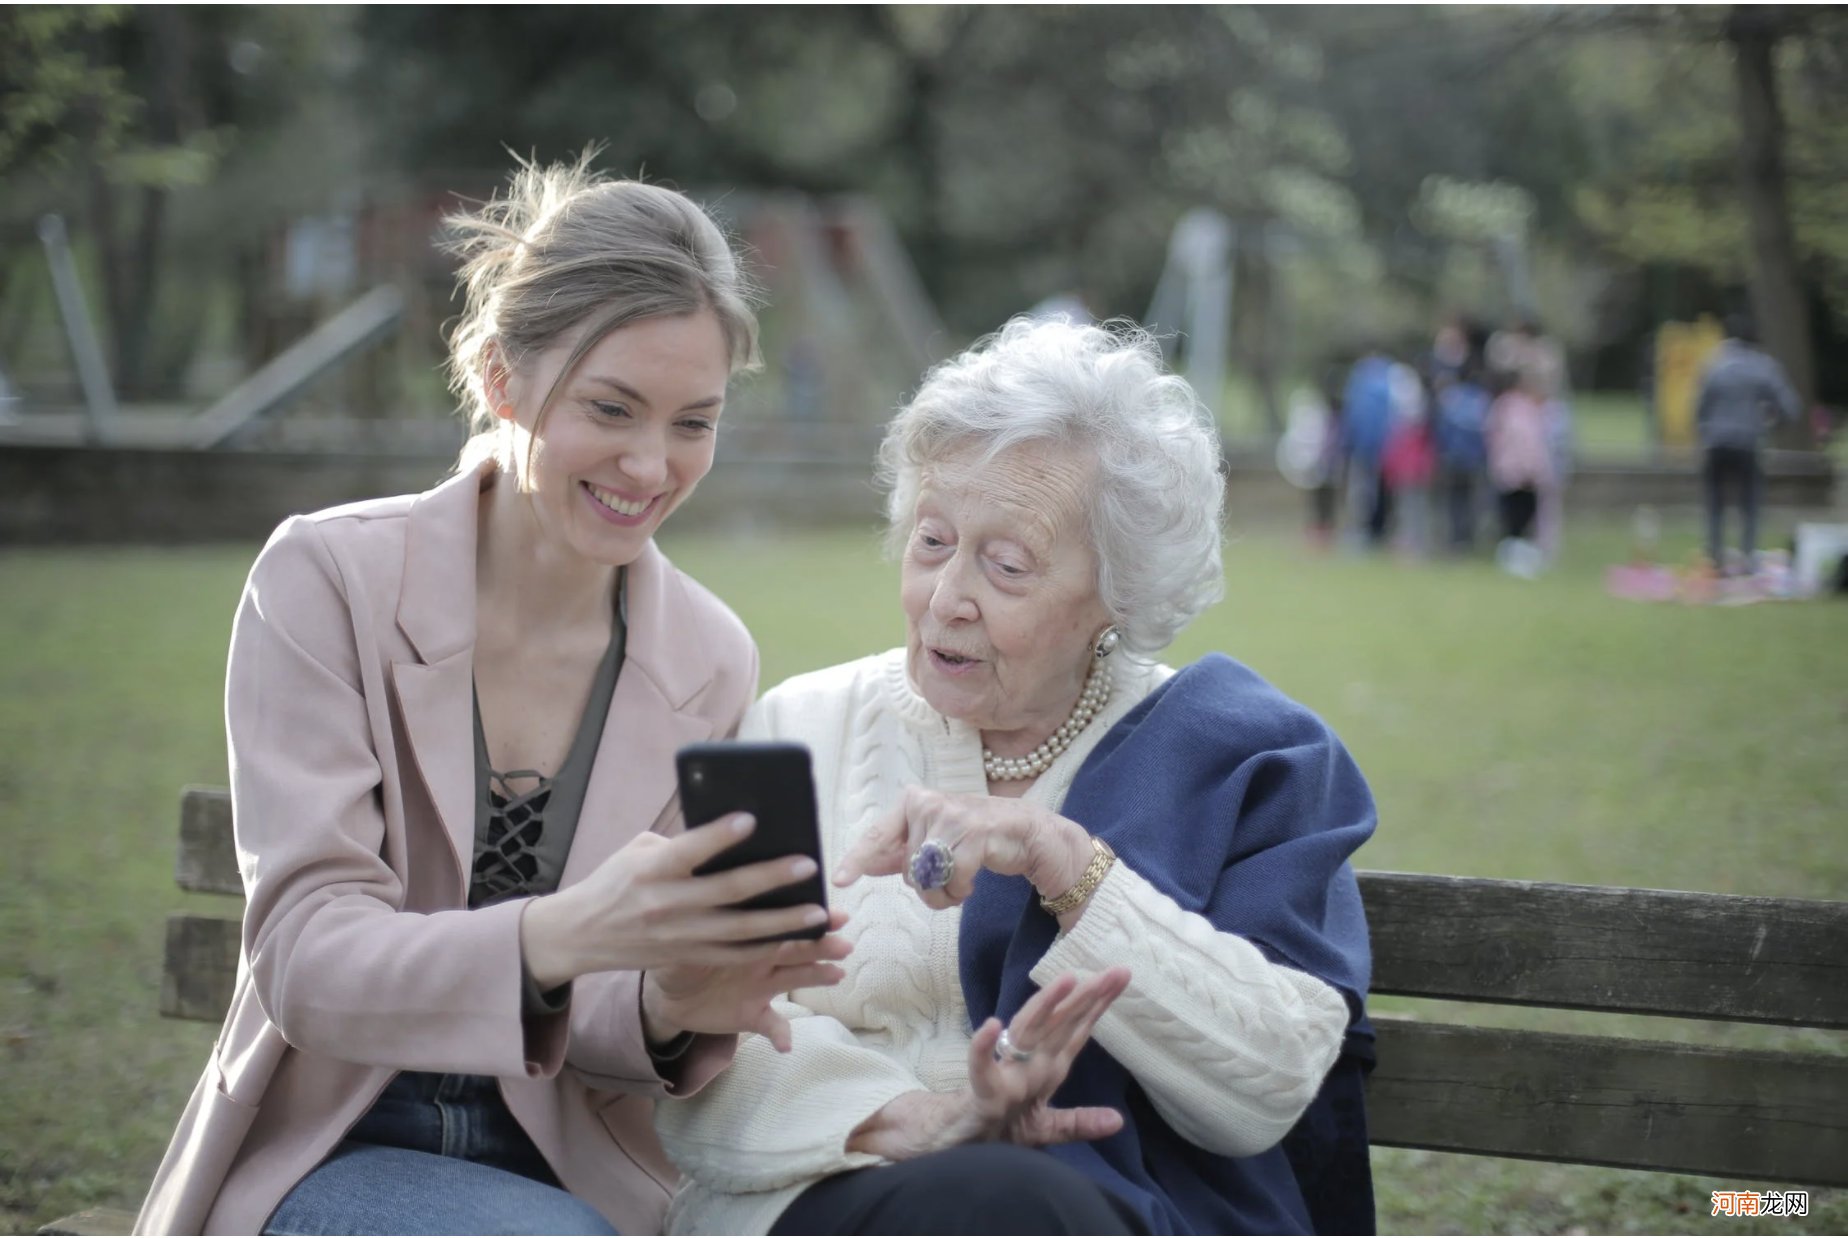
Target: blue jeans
436 1154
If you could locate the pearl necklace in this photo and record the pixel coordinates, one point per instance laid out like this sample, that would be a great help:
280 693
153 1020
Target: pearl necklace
1090 701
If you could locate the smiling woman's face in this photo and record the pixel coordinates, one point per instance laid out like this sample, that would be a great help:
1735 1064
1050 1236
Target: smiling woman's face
999 587
629 433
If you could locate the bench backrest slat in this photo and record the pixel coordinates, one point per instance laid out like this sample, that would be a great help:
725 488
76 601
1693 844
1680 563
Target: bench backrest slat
207 859
1660 952
1601 1100
200 974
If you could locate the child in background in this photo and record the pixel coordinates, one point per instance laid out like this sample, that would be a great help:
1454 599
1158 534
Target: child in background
1410 462
1366 424
1325 497
1309 456
1462 454
1521 468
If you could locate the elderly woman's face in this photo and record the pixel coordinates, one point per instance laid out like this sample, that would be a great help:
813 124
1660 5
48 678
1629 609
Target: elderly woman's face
1000 590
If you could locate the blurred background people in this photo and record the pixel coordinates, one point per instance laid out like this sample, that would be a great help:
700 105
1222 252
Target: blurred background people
1460 412
1534 363
1451 350
1520 459
1325 498
1410 461
1743 391
1309 453
1524 348
1366 423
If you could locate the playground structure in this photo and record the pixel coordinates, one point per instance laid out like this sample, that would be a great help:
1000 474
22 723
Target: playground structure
847 331
1192 309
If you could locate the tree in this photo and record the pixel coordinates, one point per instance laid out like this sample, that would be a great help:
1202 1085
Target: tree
1778 294
1721 131
151 127
96 103
1017 149
54 100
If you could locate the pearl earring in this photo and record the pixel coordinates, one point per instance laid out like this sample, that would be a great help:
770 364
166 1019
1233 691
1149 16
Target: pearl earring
1107 641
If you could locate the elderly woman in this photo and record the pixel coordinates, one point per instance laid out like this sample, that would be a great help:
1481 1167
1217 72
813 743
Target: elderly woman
1073 875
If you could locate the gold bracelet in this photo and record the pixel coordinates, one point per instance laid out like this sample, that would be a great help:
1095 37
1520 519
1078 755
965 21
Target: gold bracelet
1087 884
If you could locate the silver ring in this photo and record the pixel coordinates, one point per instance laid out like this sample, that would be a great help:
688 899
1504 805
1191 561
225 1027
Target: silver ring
1006 1048
932 866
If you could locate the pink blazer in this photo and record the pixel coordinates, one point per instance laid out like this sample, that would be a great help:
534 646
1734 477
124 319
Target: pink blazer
348 702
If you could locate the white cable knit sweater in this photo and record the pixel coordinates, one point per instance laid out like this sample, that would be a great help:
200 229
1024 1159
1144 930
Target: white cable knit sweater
1230 1047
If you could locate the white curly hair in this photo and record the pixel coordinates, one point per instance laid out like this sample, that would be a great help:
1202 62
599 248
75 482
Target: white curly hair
1155 514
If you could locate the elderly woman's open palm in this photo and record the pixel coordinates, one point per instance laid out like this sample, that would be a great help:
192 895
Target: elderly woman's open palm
1013 1073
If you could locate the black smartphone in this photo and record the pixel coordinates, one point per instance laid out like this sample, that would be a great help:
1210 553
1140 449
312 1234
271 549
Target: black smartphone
774 783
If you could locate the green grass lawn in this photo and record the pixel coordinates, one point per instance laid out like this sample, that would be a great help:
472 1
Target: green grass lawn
1537 730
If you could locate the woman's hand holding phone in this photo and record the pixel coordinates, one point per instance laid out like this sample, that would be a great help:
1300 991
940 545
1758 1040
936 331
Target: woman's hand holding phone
737 998
643 909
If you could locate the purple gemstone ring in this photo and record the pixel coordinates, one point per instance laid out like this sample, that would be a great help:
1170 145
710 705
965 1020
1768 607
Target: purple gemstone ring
932 866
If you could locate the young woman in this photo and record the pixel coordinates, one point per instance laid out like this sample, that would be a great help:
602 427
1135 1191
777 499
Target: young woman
474 949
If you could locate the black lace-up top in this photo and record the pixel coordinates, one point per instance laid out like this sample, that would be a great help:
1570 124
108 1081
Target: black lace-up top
525 821
524 824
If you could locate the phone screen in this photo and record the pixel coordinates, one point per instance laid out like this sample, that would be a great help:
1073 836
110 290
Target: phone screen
774 783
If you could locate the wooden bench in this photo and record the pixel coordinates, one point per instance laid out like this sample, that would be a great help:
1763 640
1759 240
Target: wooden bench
1749 1116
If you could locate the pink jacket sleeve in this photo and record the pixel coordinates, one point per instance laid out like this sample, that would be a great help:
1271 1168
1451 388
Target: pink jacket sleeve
336 967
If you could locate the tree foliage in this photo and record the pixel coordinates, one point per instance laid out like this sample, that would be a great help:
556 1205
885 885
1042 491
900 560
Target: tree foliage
54 99
1370 157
